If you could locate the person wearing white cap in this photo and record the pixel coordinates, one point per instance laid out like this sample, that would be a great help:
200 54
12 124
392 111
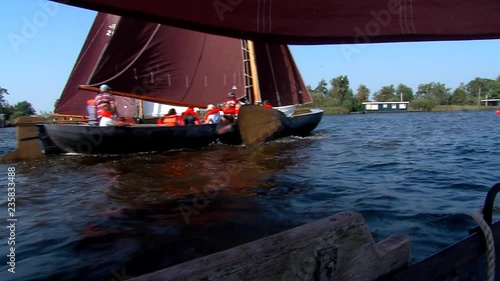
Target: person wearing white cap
102 100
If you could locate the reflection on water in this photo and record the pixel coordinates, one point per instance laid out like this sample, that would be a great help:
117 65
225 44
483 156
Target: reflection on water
90 218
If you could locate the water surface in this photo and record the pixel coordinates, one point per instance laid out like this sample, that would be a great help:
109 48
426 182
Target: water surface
89 218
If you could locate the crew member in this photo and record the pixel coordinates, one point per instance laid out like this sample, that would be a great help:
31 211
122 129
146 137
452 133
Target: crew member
213 115
102 100
190 117
170 119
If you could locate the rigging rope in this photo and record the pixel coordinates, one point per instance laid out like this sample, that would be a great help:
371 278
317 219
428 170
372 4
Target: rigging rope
132 62
490 244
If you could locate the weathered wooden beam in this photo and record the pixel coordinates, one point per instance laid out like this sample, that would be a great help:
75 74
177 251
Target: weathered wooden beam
28 143
338 247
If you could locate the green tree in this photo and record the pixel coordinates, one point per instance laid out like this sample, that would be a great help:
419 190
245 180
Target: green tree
350 102
495 89
3 92
57 102
340 88
22 108
459 96
322 87
436 92
406 91
4 106
479 88
386 93
362 94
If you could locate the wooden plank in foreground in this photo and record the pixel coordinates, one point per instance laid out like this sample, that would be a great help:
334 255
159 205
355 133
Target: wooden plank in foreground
338 247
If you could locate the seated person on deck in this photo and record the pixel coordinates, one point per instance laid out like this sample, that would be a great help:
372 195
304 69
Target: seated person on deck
107 118
190 117
231 98
213 115
170 119
229 112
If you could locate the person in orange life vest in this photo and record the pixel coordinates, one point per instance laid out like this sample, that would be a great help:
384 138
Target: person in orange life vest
107 118
213 115
190 117
229 113
231 98
267 104
170 119
229 109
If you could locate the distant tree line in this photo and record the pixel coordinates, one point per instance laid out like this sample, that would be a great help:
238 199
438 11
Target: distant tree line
11 112
338 93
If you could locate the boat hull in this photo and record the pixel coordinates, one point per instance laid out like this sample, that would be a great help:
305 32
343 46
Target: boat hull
85 139
293 125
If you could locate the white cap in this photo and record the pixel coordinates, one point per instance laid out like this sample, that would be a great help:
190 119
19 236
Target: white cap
104 88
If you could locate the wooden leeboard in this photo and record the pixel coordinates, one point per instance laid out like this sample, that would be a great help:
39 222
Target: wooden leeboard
257 124
28 144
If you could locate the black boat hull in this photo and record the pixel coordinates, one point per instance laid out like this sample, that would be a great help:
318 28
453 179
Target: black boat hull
85 139
88 139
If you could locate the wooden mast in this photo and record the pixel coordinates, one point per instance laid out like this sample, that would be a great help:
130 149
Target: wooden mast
254 73
141 109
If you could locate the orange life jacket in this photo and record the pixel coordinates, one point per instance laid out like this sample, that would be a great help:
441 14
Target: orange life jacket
170 120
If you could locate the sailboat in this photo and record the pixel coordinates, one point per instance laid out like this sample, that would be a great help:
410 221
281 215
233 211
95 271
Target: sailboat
168 65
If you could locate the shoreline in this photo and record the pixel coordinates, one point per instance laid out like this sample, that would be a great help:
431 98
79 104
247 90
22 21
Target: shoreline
448 108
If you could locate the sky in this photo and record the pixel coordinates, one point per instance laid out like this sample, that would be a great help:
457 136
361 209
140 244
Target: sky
40 41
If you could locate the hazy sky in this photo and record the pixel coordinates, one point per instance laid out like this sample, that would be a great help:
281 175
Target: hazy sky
41 40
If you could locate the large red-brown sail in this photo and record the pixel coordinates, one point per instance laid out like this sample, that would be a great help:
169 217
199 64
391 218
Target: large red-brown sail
319 21
161 64
279 78
74 101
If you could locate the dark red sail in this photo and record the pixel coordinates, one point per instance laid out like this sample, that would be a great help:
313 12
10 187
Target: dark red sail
74 101
279 78
163 64
319 21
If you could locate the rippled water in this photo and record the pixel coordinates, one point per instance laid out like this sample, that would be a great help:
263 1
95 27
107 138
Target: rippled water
90 218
